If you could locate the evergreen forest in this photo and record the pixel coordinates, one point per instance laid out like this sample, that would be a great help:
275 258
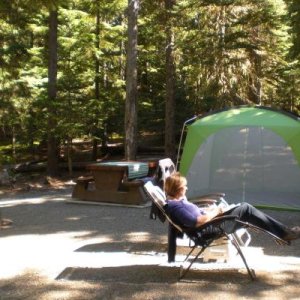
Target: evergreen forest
132 70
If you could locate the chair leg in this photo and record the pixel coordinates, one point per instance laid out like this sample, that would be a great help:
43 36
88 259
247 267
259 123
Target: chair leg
188 255
235 243
172 236
184 272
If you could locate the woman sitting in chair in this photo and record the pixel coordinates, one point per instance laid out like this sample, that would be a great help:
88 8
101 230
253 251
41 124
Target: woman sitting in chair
190 215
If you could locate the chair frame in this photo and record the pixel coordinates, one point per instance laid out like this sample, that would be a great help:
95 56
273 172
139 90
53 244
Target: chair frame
231 237
200 242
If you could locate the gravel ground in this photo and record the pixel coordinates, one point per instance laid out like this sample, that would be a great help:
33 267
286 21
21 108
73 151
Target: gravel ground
61 250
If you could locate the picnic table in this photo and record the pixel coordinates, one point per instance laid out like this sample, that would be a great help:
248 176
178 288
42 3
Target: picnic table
114 182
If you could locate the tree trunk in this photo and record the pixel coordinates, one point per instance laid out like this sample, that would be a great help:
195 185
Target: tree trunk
69 154
255 88
13 143
131 82
97 62
53 144
97 83
170 147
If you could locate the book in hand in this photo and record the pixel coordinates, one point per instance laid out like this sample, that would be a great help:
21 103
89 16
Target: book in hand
230 207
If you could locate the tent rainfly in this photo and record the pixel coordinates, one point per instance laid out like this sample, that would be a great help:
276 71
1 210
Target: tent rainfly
250 153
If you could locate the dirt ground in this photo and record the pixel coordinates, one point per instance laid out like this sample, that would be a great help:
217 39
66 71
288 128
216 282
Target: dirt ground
60 250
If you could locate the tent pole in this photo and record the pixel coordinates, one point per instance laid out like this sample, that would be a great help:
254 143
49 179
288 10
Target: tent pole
187 122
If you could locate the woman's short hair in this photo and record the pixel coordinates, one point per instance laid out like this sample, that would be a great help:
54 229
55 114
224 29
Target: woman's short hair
174 184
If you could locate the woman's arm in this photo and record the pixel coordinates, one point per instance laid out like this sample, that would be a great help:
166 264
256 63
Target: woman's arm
209 215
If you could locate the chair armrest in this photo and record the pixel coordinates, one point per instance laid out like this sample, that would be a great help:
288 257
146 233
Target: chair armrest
204 201
219 220
213 197
214 222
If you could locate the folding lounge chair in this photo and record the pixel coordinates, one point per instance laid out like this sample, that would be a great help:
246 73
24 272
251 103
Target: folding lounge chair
202 237
165 168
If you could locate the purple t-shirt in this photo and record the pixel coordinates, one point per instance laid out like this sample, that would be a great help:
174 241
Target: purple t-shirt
184 212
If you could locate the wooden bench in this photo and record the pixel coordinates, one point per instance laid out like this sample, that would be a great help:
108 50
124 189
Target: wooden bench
82 186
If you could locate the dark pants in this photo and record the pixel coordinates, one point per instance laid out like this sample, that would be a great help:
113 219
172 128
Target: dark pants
247 213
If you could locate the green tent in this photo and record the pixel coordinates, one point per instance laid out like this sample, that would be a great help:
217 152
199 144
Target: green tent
250 153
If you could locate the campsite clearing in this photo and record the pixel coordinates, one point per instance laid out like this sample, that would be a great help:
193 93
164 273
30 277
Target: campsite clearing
59 250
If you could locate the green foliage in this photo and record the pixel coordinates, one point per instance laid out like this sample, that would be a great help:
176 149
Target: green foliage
227 53
294 17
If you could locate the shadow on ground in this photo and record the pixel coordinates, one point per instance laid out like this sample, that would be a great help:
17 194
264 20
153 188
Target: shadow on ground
149 282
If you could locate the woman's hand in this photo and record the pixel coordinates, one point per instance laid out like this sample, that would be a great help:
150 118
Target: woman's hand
220 209
210 214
